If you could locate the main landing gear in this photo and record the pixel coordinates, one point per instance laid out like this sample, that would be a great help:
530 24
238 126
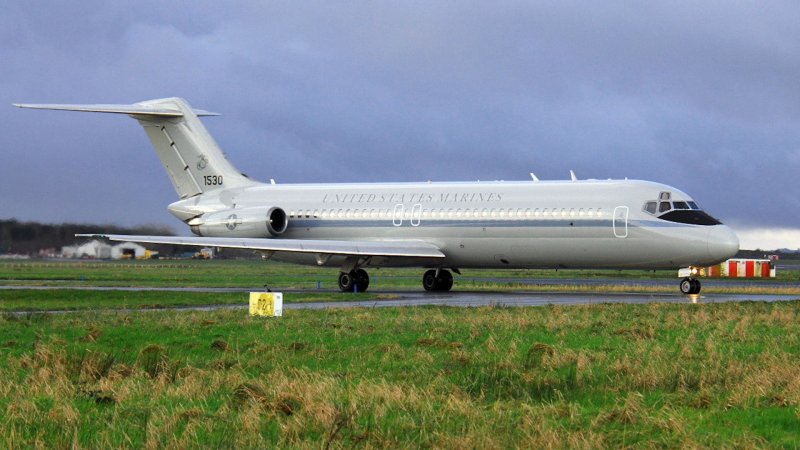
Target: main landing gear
690 286
437 280
357 280
354 281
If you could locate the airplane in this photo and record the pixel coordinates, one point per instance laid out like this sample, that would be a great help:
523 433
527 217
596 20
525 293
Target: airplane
439 226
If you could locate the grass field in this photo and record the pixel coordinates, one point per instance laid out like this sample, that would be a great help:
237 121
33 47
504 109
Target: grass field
719 375
594 376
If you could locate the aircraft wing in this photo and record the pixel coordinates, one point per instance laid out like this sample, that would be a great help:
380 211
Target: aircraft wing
405 248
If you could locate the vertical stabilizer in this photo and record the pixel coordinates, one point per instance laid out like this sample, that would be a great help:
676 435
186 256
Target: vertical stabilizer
193 160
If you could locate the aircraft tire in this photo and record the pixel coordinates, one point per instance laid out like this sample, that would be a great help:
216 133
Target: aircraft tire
687 287
347 281
361 278
429 281
695 286
445 280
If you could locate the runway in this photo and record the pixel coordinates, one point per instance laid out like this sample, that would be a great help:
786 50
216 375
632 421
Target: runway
530 299
464 299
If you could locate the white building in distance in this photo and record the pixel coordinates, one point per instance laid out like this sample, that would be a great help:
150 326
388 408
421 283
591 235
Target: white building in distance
100 250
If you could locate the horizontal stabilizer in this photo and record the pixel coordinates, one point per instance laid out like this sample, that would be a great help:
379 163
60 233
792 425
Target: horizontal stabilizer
135 109
414 249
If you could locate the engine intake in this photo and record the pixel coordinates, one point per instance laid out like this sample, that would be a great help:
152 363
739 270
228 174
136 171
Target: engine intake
257 222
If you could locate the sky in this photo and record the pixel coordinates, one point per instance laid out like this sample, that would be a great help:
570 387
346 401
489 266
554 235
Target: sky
703 96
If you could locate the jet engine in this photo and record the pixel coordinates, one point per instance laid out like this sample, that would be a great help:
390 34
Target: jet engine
256 222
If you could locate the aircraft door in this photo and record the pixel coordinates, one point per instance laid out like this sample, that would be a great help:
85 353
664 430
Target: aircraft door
416 215
620 222
397 216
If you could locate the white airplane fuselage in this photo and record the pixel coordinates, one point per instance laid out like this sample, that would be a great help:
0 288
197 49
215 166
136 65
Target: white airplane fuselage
548 224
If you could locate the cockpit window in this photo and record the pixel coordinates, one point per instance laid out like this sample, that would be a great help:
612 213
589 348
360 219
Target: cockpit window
680 205
678 211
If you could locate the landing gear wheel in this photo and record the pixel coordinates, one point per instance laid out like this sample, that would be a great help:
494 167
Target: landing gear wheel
429 280
690 286
347 281
696 286
361 280
354 281
444 282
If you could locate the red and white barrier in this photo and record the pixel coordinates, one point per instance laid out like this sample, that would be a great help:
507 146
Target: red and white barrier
742 268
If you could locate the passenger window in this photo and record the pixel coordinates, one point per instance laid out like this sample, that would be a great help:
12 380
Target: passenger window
650 207
664 207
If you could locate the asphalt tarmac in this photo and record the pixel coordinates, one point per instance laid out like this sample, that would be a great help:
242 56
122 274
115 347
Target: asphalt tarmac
455 298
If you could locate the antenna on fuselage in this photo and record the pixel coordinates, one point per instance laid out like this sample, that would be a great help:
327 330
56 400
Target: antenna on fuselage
534 177
572 176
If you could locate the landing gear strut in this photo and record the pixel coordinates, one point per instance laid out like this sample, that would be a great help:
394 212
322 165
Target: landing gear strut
690 286
354 281
442 282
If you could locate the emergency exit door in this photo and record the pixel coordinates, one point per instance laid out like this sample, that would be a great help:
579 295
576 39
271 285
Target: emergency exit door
620 223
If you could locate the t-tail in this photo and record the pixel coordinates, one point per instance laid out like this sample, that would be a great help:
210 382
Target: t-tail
192 158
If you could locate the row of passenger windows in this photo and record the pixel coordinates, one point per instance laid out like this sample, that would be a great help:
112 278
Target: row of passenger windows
451 213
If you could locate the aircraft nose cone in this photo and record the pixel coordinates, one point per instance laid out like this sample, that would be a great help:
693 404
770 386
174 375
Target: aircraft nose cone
723 243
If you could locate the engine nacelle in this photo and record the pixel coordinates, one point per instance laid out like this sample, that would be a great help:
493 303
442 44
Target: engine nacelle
256 222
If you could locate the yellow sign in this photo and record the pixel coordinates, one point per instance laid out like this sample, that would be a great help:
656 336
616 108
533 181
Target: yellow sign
266 304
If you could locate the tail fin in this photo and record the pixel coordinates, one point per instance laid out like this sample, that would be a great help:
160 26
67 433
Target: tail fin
193 160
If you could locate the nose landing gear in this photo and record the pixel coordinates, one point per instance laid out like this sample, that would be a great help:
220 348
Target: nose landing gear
690 286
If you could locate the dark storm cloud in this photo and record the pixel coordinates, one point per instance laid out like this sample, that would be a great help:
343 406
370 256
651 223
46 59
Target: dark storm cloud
703 96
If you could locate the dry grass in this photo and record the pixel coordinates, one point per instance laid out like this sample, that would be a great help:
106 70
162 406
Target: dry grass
604 376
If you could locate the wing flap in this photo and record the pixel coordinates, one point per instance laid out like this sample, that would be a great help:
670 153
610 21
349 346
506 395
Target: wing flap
414 249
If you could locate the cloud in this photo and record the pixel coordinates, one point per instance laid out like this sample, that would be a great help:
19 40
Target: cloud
769 238
700 96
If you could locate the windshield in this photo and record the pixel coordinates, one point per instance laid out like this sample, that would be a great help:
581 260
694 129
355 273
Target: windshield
680 211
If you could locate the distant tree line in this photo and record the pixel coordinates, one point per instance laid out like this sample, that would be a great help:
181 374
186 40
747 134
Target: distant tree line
30 237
